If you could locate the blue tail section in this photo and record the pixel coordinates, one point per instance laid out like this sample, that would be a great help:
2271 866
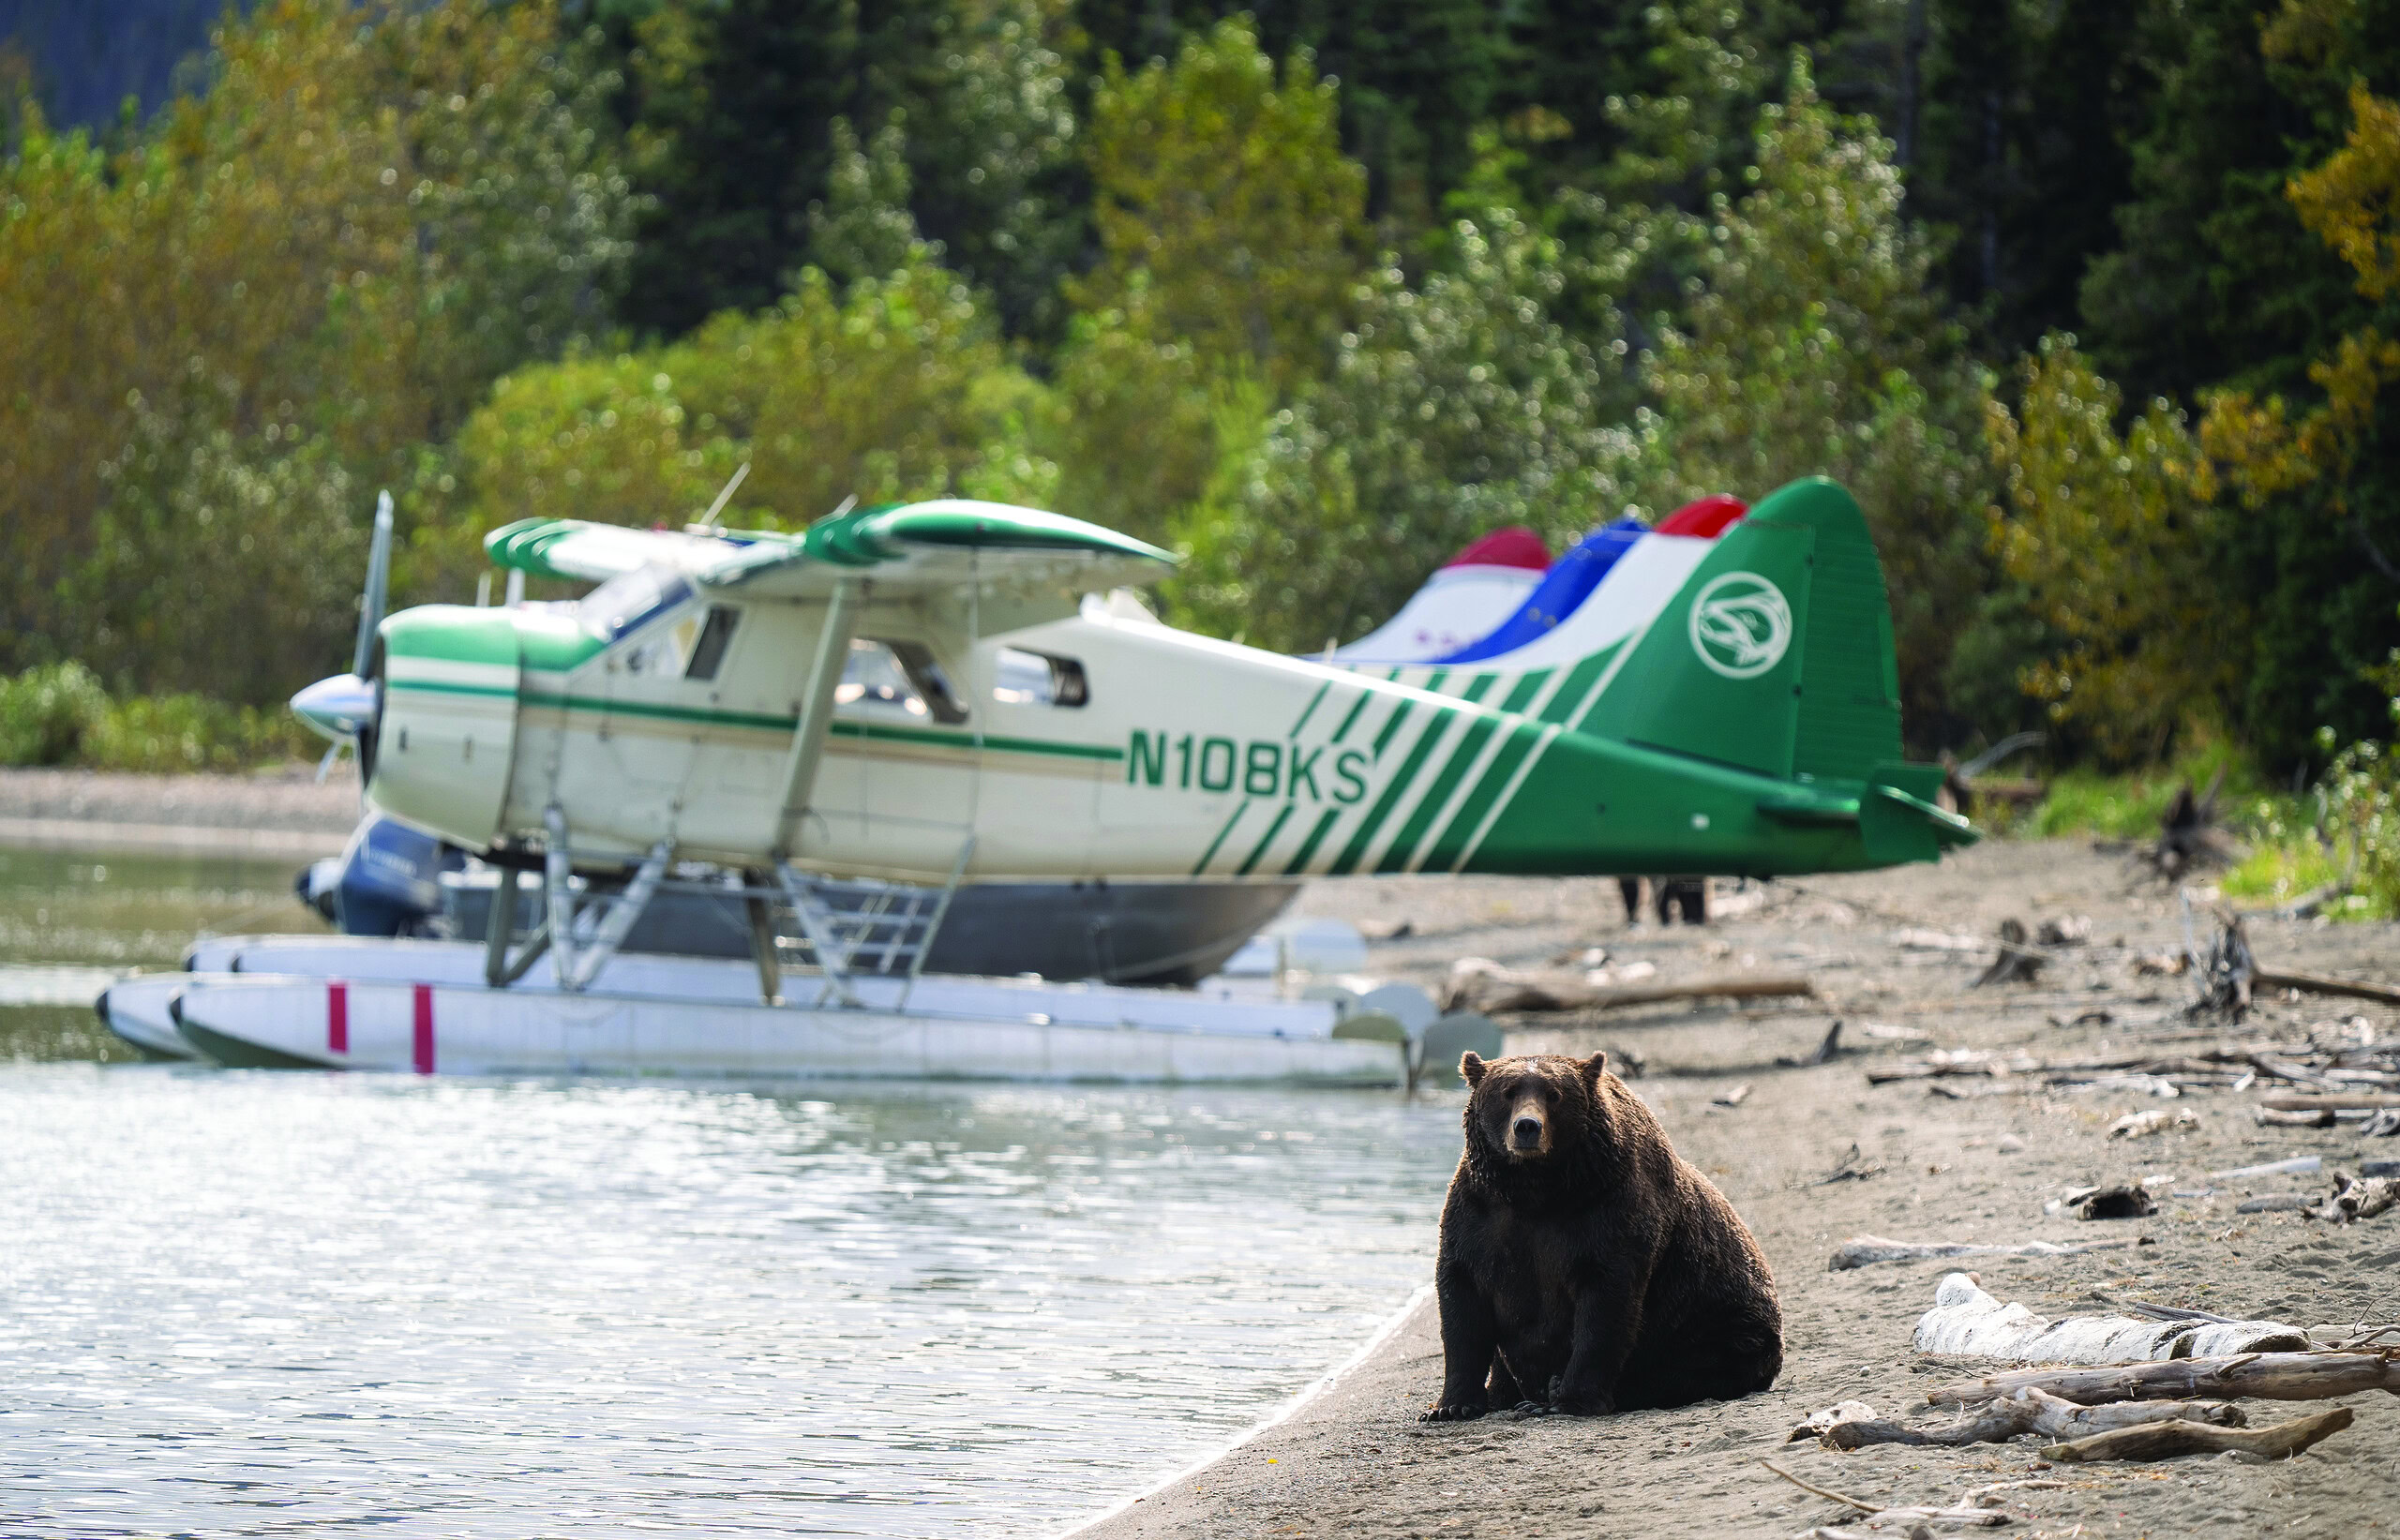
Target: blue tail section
1570 581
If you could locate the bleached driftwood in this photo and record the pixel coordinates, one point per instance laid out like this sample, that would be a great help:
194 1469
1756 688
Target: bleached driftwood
2026 1410
2265 1376
1876 1517
2357 1197
1865 1250
1825 1417
2336 1101
2167 1440
2140 1124
1493 992
2299 1165
1966 1320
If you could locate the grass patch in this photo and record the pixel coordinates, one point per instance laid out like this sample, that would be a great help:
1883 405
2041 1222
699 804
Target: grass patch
2128 806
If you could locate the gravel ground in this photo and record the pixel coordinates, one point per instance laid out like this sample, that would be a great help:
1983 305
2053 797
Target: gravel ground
287 799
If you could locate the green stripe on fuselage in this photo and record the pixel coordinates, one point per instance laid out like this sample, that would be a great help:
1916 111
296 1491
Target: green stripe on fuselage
1394 790
1258 850
1523 736
1306 852
1437 795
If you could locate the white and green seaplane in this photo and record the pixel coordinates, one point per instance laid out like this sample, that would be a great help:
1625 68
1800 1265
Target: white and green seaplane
688 722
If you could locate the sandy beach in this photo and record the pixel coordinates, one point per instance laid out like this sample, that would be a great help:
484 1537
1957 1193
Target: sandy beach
278 813
1355 1461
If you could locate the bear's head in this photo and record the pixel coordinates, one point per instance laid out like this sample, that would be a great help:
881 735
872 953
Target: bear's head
1526 1109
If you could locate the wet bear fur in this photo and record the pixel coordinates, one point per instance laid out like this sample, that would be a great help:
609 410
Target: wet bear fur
1586 1264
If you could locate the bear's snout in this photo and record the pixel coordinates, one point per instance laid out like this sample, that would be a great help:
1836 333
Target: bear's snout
1528 1128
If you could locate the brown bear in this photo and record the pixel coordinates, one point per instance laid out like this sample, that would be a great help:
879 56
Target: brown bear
1584 1264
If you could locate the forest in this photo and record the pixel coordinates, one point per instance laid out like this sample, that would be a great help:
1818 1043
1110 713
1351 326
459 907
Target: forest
2094 306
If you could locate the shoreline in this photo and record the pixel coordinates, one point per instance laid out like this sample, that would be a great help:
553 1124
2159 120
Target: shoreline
1300 1402
281 814
1948 1160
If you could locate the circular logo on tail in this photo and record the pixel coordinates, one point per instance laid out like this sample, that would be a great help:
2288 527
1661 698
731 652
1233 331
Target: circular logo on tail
1741 625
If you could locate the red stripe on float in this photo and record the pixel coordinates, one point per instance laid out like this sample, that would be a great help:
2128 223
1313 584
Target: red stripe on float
424 1029
337 1018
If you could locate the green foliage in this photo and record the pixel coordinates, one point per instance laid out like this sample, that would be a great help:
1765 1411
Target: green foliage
2109 537
262 304
735 105
1229 224
45 713
59 714
2128 805
898 388
1815 347
1227 195
182 733
1453 407
863 229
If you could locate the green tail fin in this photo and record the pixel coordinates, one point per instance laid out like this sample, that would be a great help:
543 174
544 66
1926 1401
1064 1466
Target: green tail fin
1776 654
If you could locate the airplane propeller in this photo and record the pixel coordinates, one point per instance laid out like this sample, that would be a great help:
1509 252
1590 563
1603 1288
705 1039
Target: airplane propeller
343 707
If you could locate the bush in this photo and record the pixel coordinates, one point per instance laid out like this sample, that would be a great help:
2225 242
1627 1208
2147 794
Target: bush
46 713
170 734
59 714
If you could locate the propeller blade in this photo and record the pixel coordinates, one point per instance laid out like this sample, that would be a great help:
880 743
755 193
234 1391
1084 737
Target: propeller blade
379 582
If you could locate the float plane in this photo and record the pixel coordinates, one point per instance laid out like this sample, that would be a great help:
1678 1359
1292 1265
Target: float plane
1017 718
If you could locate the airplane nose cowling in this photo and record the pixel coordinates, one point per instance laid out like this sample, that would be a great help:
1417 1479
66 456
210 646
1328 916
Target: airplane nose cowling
446 736
337 707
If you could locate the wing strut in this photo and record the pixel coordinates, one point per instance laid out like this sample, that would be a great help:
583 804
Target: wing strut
817 713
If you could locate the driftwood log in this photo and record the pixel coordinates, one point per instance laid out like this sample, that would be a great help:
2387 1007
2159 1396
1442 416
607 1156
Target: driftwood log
2310 983
2328 1102
2027 1410
1967 1320
1979 1518
1491 993
2357 1197
2167 1440
2262 1376
1866 1250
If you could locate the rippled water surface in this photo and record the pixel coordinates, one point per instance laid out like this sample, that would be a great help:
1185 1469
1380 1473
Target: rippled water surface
263 1304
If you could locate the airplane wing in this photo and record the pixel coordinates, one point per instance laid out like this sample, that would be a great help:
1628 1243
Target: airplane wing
593 553
942 544
911 546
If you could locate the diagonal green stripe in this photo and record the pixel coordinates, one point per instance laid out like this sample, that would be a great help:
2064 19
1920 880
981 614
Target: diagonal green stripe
1204 861
1477 687
1269 838
1429 807
1393 790
1525 689
1523 736
1307 851
1570 693
1391 725
1355 707
1312 709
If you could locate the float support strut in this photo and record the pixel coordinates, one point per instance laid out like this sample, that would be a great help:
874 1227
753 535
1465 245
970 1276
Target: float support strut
816 712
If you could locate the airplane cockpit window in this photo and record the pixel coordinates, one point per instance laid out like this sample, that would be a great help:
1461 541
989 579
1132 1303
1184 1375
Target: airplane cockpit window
714 637
1038 679
625 601
896 681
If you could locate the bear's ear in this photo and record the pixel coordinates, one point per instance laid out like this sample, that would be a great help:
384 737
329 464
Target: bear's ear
1594 1066
1471 1068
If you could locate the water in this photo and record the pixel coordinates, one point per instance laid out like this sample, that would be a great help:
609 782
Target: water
260 1304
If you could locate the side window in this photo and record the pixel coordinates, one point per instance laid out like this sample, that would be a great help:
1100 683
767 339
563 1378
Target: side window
1038 679
716 636
897 681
